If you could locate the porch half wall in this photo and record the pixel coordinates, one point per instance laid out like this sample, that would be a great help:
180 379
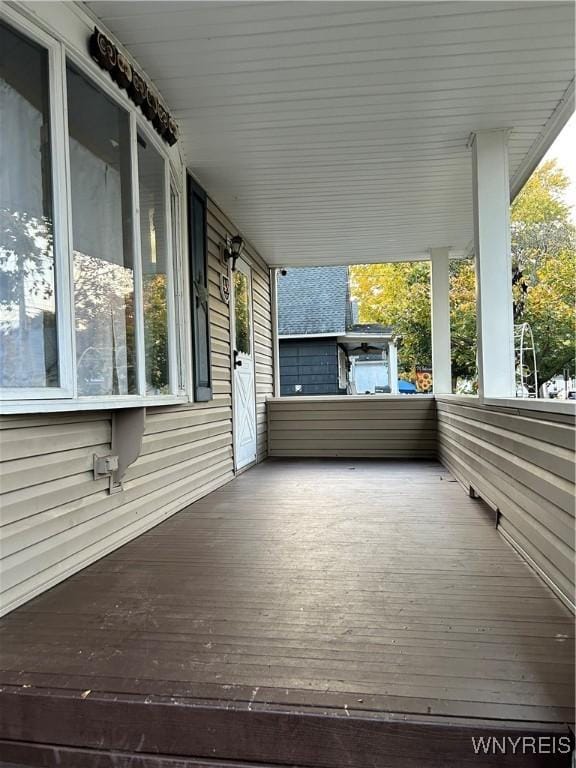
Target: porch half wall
521 461
56 519
353 426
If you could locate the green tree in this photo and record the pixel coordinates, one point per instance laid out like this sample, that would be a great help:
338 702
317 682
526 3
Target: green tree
544 254
549 310
27 296
397 295
544 259
463 320
156 332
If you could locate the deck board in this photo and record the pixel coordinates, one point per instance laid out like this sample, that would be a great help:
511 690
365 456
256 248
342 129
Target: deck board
364 586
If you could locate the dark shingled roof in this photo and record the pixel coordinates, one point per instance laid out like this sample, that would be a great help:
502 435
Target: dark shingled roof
312 300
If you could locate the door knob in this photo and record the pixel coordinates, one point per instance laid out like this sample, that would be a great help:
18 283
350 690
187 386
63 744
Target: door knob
237 363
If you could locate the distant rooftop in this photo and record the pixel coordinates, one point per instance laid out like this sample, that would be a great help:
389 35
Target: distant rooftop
312 300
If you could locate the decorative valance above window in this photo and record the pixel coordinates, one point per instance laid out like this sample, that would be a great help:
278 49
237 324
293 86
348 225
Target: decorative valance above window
121 70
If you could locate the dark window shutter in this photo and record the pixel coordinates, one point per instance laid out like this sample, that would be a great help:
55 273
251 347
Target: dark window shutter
198 250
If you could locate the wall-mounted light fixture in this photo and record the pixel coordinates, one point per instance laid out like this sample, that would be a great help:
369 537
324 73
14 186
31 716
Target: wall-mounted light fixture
232 250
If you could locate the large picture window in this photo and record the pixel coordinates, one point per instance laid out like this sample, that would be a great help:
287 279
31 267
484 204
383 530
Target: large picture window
28 333
88 239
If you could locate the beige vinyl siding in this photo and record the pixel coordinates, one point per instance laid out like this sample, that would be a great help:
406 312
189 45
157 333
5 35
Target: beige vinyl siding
56 518
347 426
520 461
218 226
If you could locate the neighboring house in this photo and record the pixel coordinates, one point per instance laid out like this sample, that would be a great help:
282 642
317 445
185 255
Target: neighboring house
323 348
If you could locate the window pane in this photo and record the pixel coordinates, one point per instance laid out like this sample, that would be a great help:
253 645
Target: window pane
153 233
102 240
242 312
28 339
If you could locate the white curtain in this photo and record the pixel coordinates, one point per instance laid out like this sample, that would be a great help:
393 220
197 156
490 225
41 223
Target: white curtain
96 205
102 284
20 158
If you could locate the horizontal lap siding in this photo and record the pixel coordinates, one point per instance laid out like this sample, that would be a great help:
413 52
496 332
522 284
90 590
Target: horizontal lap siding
522 463
353 427
56 518
218 226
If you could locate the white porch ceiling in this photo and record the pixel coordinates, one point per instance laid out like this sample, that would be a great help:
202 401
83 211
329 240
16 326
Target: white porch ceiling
336 132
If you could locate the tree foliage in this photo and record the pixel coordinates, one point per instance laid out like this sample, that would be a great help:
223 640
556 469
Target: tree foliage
544 252
544 256
397 295
26 262
156 333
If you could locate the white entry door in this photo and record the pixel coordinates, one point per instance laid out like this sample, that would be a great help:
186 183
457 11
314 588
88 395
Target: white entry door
244 390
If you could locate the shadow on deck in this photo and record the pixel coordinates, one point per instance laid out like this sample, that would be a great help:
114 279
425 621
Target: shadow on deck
309 613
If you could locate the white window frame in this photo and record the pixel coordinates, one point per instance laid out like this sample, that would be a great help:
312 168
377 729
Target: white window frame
186 339
65 397
58 163
172 289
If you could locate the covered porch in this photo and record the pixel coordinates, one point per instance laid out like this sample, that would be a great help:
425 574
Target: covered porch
374 581
310 612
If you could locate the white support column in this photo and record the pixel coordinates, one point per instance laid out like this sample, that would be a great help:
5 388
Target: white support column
495 324
393 368
275 343
440 290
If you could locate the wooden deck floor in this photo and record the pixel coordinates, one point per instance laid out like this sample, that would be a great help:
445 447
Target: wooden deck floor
313 613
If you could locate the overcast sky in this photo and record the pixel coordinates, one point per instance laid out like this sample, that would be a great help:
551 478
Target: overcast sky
564 150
